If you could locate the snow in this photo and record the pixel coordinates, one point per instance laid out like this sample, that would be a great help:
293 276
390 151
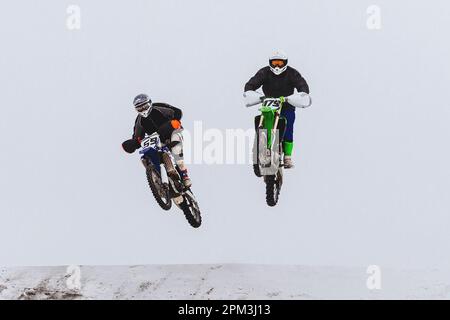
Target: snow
220 281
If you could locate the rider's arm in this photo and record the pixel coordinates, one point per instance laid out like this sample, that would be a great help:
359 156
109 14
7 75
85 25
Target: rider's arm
172 112
138 131
168 119
177 113
256 81
133 144
299 82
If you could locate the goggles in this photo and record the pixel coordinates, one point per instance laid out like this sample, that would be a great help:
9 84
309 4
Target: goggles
143 107
277 63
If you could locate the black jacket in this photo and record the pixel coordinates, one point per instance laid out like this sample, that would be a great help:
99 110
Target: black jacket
158 120
275 86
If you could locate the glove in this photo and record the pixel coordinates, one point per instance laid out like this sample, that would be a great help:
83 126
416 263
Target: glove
300 100
252 98
131 145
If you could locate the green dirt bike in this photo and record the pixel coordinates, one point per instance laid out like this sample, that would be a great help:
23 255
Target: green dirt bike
268 149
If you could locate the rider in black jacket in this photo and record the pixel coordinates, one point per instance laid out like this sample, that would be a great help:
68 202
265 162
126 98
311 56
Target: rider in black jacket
163 119
275 86
280 80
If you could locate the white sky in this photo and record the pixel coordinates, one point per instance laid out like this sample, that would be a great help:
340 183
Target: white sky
372 179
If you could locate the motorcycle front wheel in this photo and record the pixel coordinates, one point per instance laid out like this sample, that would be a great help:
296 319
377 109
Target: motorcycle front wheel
159 189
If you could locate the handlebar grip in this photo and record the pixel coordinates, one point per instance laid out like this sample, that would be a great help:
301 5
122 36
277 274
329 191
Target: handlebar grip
252 104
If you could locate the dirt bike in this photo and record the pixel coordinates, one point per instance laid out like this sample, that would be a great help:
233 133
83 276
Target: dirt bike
164 179
268 149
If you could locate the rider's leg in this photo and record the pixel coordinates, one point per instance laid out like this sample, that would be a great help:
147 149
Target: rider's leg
288 142
177 151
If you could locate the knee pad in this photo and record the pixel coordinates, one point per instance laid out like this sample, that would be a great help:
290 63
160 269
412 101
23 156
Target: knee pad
177 144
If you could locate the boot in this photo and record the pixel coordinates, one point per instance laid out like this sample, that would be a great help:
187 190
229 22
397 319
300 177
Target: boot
185 177
288 163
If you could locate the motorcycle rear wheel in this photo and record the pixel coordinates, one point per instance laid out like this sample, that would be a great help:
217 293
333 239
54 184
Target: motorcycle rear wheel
191 210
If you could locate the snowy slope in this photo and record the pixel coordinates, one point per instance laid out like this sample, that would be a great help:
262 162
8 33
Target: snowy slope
220 282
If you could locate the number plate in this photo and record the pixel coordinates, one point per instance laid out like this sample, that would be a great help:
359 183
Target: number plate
273 103
150 142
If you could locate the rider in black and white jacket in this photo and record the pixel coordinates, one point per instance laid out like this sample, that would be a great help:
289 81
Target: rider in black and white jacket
163 119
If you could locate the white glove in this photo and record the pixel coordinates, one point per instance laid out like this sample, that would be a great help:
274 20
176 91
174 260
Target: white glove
300 100
252 98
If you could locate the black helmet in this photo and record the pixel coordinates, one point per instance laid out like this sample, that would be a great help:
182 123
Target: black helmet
142 103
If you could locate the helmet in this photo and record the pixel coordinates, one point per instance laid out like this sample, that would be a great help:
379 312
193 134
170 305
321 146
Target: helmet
278 62
143 104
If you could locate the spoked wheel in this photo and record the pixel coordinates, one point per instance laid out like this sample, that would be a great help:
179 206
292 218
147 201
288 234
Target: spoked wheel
273 189
191 209
257 170
159 189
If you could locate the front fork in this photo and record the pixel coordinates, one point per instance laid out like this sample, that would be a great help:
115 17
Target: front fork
272 136
169 176
173 176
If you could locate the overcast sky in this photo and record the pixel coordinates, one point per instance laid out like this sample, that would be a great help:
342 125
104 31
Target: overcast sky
371 183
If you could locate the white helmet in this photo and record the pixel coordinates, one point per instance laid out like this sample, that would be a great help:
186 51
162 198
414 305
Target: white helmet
278 62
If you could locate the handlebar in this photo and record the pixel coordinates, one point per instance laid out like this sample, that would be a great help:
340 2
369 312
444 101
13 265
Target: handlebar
264 99
299 100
